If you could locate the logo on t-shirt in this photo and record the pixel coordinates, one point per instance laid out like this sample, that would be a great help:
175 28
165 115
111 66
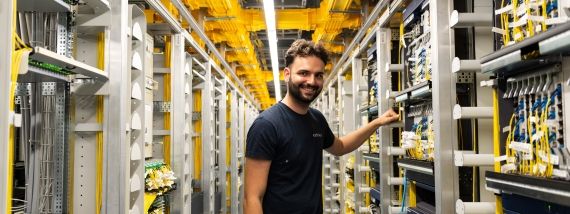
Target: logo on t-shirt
317 135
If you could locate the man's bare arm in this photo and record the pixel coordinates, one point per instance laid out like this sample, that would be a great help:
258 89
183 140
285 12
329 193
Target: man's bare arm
353 140
256 172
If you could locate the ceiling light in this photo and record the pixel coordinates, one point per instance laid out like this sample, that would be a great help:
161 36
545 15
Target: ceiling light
269 11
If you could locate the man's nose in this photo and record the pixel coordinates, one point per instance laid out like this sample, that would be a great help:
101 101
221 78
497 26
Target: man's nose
311 80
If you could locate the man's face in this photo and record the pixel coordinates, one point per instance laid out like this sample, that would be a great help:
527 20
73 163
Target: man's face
305 78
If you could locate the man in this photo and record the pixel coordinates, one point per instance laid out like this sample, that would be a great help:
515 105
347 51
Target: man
283 168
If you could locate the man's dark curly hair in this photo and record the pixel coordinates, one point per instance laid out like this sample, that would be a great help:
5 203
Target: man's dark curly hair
304 48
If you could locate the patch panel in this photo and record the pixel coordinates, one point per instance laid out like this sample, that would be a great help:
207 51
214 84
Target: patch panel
518 20
415 39
534 142
419 140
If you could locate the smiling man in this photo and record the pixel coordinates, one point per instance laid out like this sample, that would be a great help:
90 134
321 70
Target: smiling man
283 167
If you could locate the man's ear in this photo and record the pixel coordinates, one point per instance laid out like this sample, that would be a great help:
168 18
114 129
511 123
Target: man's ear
286 74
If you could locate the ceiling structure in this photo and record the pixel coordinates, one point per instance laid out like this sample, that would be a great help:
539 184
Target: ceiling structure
238 28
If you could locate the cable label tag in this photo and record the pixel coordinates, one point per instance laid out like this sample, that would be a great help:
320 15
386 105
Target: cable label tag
501 158
506 129
527 157
521 10
551 122
537 136
560 173
520 22
521 147
499 30
532 119
504 9
553 158
508 167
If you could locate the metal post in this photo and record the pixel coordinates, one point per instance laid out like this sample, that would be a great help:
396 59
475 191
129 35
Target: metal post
116 153
178 121
340 110
234 189
222 114
6 47
443 95
208 185
357 122
186 178
242 131
383 78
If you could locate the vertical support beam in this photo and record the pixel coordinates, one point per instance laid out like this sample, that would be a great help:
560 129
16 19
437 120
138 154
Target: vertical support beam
443 94
340 110
188 132
348 124
208 155
383 78
223 168
241 144
234 152
6 47
115 166
178 121
483 45
137 105
359 181
60 149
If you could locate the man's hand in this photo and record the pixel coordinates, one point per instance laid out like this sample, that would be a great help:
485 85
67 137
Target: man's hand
387 118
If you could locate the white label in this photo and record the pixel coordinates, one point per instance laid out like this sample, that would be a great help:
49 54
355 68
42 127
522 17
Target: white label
504 9
538 28
553 158
521 9
537 19
17 120
551 122
501 158
527 157
532 119
499 30
560 173
506 129
521 147
508 167
537 136
520 22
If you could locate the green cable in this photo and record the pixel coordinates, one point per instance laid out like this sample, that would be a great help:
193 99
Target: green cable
49 67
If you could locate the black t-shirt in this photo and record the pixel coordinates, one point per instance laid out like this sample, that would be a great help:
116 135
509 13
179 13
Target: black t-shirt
294 144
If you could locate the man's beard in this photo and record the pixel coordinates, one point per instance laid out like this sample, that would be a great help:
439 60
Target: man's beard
295 91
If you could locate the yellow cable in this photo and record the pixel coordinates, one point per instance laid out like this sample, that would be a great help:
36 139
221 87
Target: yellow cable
167 98
496 144
198 139
99 135
15 67
99 156
530 23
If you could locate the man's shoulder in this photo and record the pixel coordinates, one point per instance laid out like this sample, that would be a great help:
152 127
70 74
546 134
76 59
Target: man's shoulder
272 113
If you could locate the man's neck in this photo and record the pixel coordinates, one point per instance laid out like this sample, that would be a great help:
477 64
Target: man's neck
296 106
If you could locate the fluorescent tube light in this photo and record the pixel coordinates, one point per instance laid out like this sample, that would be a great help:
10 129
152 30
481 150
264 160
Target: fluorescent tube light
269 11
